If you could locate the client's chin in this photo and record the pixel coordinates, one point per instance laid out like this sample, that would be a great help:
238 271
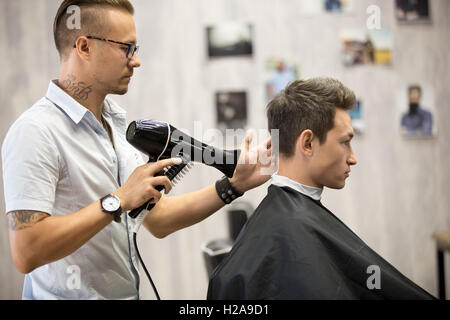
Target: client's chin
336 186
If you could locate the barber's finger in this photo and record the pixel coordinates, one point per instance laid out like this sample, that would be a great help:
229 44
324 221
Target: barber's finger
268 143
156 196
152 195
247 140
162 181
267 146
157 167
265 152
156 200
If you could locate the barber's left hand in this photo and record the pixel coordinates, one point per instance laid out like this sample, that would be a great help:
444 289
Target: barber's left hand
255 166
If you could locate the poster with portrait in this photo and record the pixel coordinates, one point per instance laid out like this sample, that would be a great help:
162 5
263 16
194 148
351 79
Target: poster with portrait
231 109
338 6
356 115
412 11
230 39
315 7
279 73
361 46
416 111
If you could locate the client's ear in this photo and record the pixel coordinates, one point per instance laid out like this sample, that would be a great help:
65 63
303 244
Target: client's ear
304 143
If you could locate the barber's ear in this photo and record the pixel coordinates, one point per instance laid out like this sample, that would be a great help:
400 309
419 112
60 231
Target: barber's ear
305 143
82 47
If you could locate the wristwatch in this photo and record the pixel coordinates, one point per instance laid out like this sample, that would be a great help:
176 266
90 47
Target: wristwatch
111 204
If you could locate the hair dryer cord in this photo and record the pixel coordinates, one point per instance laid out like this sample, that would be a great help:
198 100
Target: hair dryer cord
143 266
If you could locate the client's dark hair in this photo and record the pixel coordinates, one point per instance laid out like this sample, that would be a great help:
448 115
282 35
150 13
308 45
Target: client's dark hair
307 104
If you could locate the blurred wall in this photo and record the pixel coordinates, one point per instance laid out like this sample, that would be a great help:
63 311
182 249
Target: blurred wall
397 194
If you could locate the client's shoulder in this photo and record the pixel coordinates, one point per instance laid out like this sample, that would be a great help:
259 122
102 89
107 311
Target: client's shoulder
288 202
283 211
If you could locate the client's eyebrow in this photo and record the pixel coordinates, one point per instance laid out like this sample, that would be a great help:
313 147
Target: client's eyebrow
349 136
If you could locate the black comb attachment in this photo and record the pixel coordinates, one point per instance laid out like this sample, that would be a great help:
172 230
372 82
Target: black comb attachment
175 173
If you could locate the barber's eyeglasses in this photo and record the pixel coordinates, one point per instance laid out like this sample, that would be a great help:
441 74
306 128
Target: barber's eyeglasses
132 48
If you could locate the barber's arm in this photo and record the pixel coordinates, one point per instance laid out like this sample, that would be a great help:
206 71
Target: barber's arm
37 238
174 213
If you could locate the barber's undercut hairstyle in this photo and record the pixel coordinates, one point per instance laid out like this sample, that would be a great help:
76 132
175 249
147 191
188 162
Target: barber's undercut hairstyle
92 21
307 104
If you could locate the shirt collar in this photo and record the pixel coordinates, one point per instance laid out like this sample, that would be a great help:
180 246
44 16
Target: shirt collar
112 108
73 109
69 105
282 181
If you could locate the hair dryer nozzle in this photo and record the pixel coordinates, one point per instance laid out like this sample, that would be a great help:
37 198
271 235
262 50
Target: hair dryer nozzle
159 140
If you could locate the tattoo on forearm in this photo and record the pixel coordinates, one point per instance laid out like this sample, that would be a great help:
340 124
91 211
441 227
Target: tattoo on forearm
79 90
19 220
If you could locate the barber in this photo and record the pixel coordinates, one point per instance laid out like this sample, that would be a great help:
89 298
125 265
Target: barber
70 175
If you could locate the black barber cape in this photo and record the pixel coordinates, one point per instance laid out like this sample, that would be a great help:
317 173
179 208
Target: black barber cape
295 248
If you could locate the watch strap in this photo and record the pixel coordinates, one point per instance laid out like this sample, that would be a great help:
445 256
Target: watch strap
225 190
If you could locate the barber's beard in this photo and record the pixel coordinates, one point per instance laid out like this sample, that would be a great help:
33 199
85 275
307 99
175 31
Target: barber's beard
108 88
413 108
118 88
119 91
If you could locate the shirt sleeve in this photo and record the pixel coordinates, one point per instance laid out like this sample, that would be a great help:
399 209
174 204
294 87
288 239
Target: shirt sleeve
30 168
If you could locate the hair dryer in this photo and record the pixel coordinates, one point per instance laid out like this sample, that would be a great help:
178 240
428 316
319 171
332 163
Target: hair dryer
159 140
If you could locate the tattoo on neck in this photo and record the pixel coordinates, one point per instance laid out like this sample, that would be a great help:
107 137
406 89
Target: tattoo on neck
79 90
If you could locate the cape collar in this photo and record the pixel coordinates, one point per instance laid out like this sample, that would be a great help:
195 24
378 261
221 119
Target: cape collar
282 181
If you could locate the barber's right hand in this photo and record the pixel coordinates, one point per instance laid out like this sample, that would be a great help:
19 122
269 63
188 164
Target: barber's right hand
140 186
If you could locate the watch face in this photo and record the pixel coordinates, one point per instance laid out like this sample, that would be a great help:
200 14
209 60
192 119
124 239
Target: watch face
111 203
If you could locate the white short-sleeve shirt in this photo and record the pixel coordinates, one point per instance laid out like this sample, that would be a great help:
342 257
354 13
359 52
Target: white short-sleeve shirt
58 159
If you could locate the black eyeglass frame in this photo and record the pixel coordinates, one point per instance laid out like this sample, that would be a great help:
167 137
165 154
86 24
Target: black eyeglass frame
132 47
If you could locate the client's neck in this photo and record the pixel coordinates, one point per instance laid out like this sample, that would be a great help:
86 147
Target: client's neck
296 170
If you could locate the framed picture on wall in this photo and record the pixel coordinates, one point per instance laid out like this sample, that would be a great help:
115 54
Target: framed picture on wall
360 46
279 73
338 6
230 39
416 111
357 118
231 109
411 11
315 7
